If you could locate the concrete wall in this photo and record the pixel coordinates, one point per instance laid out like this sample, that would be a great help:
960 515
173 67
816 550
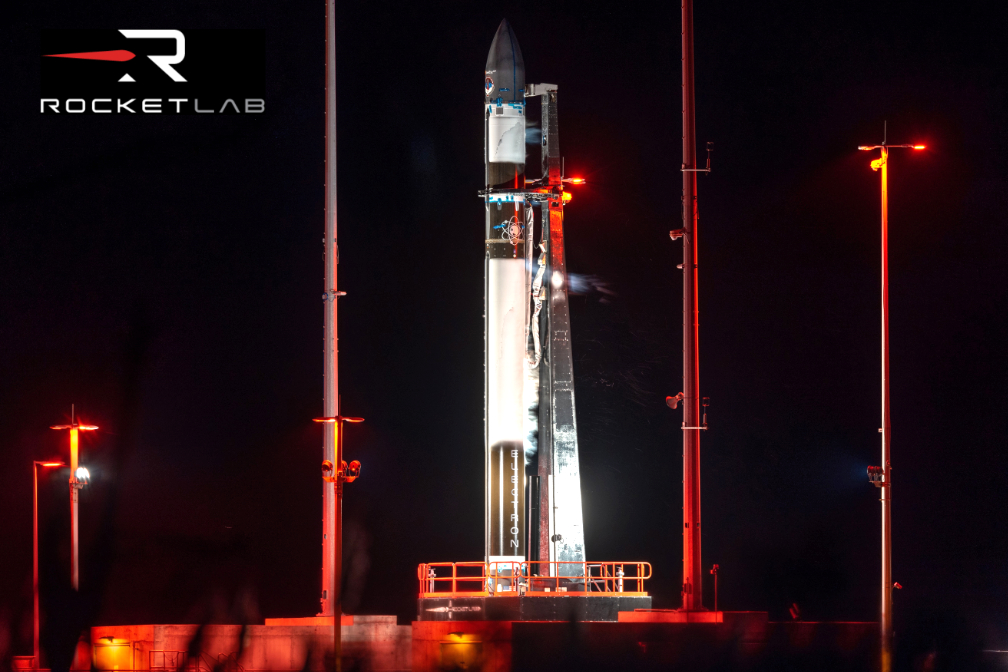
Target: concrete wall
371 642
469 645
668 641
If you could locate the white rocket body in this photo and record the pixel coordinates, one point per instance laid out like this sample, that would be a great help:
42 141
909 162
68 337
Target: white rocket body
506 351
506 315
507 303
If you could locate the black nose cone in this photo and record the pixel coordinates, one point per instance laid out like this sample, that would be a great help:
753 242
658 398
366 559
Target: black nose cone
505 68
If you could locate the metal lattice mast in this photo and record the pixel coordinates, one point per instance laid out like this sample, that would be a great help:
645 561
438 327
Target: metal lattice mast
561 530
692 589
330 395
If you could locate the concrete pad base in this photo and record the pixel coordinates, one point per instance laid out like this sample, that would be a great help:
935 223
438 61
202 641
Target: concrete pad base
374 642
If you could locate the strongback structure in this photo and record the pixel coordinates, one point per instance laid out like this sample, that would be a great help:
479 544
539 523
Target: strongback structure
561 532
533 485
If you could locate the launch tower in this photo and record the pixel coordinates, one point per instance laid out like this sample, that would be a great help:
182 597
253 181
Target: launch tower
534 566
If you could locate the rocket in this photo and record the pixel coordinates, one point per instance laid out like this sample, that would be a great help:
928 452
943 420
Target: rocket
530 416
506 299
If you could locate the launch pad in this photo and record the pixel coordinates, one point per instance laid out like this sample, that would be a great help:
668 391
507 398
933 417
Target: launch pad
541 607
531 591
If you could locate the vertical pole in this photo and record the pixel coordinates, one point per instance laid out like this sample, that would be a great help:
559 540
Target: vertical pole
692 588
887 583
35 577
532 524
337 578
331 345
74 566
545 441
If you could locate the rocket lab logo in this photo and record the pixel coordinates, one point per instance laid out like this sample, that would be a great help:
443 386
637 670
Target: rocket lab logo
153 72
163 62
121 55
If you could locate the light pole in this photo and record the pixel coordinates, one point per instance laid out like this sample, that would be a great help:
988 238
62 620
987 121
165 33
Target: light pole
881 477
35 578
337 475
78 479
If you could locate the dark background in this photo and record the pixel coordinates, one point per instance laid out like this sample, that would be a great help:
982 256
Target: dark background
195 244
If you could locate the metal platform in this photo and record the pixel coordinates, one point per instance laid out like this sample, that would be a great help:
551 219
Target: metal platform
535 607
531 590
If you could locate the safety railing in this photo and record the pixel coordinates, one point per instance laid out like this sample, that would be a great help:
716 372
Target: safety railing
182 661
446 578
166 660
532 577
228 662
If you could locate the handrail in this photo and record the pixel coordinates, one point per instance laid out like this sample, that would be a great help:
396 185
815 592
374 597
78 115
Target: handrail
176 659
228 662
531 577
183 661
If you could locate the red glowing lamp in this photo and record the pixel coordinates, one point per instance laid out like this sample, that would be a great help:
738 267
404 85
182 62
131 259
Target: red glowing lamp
868 148
75 428
331 420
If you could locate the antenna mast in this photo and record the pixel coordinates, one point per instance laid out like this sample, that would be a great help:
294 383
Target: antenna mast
692 587
330 395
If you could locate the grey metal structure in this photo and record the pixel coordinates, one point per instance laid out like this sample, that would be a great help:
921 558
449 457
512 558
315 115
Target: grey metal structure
692 586
330 347
561 529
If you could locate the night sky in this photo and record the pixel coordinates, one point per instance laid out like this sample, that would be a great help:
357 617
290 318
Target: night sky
164 274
